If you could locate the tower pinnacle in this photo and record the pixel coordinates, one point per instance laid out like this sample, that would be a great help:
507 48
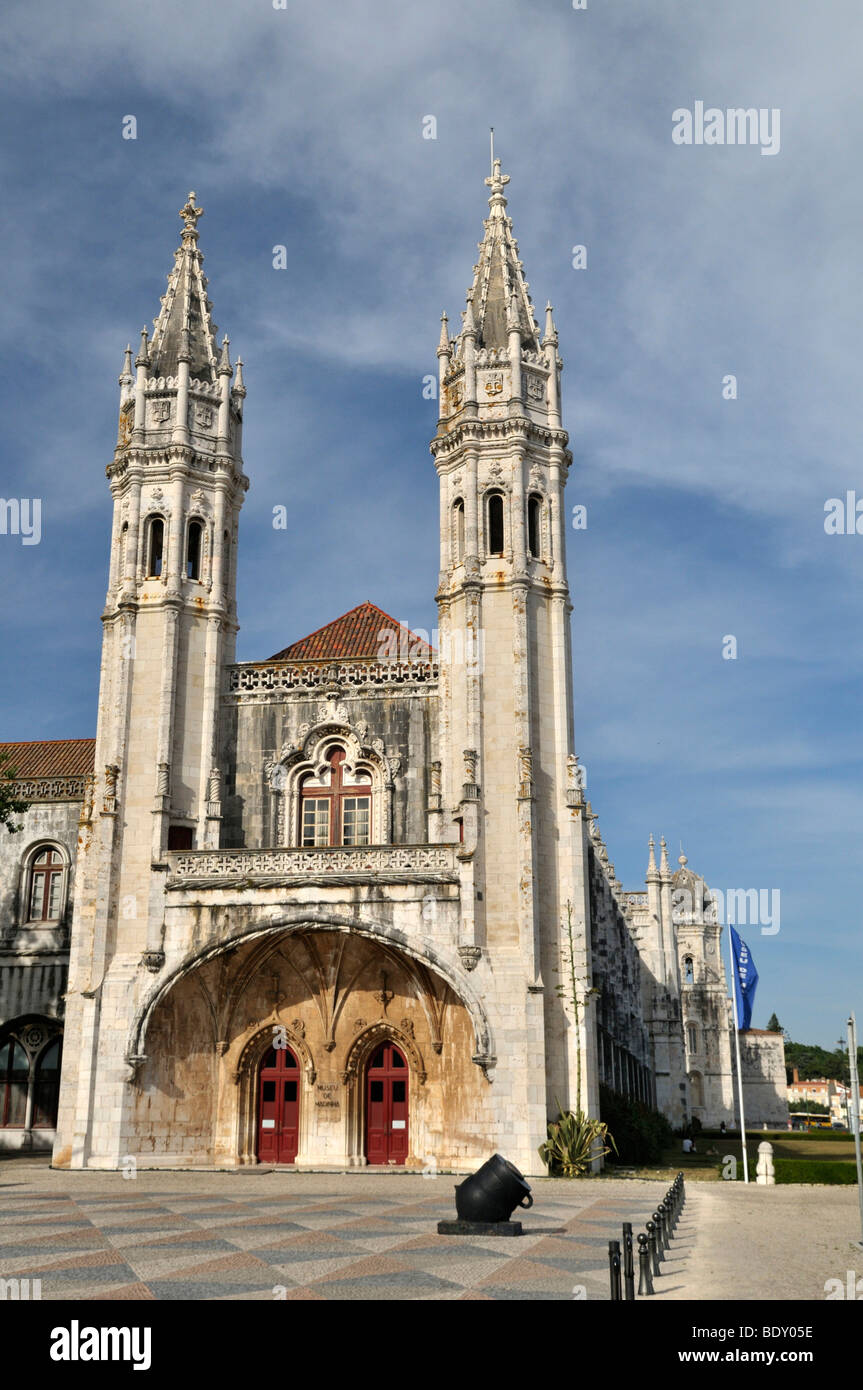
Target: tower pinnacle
184 329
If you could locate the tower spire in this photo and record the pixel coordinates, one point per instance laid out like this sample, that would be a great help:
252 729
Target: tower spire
183 329
499 288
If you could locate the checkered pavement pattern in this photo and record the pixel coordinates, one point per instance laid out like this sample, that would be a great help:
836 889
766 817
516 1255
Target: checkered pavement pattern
277 1235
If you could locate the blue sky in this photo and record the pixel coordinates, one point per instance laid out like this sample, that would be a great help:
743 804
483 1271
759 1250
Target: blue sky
303 127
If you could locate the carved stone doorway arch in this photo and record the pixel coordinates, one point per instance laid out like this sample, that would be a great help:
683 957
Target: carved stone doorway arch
246 1087
359 1054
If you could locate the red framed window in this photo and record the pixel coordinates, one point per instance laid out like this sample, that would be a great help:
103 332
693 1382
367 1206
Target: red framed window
336 808
45 887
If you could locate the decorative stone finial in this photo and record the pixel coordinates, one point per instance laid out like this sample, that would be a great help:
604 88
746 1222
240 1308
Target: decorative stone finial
143 358
190 214
126 378
651 860
497 182
443 345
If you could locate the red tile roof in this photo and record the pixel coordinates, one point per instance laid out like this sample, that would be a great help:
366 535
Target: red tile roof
57 757
361 633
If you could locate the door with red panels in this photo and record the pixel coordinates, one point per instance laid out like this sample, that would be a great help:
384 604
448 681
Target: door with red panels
387 1106
279 1107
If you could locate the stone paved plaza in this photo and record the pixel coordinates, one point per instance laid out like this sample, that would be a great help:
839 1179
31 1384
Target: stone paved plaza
263 1234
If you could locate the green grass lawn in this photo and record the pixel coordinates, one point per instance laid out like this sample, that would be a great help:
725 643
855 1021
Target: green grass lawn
704 1166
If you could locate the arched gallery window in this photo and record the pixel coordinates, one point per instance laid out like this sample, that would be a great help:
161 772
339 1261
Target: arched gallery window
692 1037
155 546
494 523
534 526
688 971
336 807
194 545
458 530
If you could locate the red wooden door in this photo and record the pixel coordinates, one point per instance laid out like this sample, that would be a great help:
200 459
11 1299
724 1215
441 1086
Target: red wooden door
387 1106
279 1107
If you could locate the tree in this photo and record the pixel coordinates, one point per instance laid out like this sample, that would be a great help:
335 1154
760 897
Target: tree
773 1025
10 804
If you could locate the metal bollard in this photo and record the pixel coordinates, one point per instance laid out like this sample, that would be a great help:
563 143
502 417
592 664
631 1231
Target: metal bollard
662 1238
645 1282
628 1268
654 1246
614 1269
669 1222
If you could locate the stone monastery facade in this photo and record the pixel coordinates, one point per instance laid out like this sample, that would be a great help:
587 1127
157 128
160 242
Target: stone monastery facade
346 905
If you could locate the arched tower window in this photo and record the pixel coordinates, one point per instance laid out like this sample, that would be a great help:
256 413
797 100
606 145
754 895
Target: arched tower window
494 523
458 530
534 526
692 1037
688 971
336 807
193 549
45 881
155 546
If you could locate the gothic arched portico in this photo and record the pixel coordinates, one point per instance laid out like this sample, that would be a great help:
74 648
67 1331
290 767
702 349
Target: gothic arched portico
330 995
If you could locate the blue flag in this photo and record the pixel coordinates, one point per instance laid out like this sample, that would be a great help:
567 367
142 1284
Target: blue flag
745 980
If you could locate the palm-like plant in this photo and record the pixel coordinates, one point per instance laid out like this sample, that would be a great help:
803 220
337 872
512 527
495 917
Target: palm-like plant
573 1143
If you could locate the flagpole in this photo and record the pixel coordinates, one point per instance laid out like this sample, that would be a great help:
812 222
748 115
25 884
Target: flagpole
734 979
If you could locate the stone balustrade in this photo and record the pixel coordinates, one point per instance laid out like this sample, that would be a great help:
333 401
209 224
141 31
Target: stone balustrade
249 678
363 863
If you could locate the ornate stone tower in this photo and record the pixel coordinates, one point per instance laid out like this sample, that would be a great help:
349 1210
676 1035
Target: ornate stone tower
169 627
509 781
708 1027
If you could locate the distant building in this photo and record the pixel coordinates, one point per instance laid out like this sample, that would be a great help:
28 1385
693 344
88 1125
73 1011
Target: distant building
833 1095
677 927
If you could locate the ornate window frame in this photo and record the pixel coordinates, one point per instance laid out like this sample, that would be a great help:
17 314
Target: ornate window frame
458 531
197 519
28 864
309 756
496 490
149 522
